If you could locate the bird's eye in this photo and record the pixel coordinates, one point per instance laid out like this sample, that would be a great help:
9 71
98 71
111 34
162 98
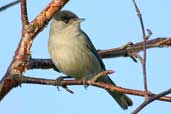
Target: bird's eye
66 21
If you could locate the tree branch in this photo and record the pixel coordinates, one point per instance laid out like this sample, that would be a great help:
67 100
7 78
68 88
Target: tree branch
151 99
31 80
108 53
9 5
135 48
24 13
41 64
22 59
144 46
22 55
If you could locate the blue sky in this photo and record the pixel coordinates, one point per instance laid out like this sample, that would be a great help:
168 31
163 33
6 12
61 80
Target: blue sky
109 24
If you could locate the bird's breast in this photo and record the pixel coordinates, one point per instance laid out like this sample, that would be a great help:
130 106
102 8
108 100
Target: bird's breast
73 57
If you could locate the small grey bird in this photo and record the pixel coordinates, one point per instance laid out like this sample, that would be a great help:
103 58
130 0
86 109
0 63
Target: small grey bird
73 53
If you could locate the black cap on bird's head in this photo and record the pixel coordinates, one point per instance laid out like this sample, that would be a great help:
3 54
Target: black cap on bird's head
66 16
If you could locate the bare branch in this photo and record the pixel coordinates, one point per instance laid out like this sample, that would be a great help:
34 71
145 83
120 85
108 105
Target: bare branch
31 80
151 99
135 48
144 46
41 64
9 5
24 16
108 53
22 55
22 60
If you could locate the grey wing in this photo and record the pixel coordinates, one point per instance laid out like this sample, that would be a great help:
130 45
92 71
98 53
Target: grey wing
93 49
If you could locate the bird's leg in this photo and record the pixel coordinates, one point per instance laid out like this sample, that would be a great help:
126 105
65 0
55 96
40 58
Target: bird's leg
58 83
84 80
103 73
89 80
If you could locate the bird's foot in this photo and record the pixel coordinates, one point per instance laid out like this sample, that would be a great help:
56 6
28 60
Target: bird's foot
91 80
84 81
58 83
101 74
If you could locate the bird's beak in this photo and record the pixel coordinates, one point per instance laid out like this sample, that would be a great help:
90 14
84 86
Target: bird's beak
81 19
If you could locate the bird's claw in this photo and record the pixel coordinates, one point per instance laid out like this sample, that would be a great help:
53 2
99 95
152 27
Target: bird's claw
67 89
84 80
58 83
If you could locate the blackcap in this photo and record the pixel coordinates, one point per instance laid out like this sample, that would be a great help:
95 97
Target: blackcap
73 53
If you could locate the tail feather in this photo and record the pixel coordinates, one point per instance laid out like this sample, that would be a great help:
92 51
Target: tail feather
123 100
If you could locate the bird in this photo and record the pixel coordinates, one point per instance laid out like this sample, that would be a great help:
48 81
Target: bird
73 53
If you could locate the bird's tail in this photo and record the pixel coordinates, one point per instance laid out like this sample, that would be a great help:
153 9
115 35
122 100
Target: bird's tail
123 100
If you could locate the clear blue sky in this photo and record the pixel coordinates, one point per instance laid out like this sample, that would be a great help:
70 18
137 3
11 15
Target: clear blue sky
109 24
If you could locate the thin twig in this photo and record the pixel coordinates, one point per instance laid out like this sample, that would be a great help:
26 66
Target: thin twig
140 107
9 5
24 16
144 46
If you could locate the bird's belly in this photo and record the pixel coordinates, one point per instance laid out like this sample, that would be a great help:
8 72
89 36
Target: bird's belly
77 63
